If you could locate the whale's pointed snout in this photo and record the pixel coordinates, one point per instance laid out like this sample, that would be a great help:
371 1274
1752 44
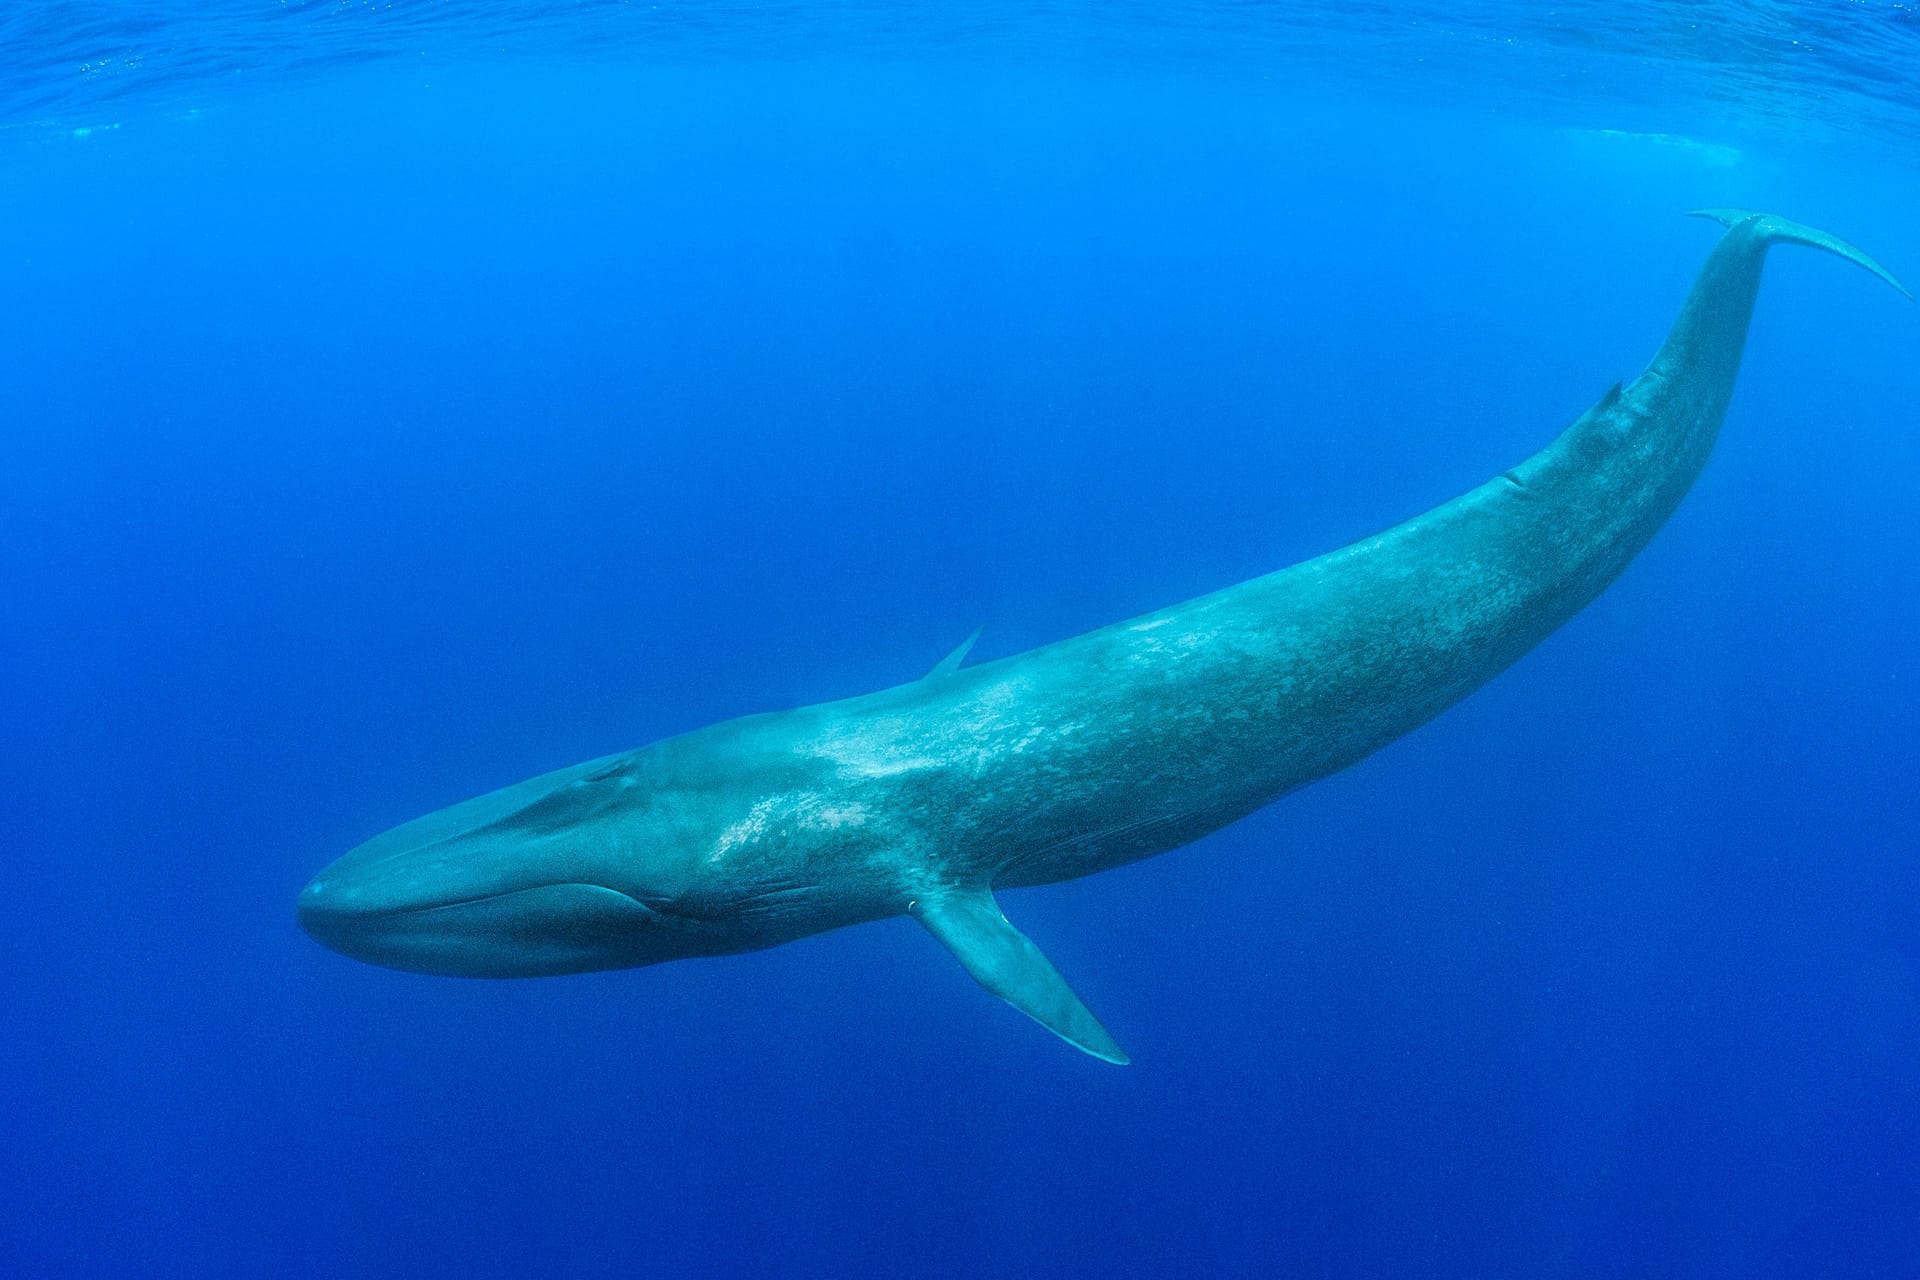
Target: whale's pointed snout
331 918
313 912
344 909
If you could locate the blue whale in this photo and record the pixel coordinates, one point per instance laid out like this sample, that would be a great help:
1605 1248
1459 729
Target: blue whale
1086 754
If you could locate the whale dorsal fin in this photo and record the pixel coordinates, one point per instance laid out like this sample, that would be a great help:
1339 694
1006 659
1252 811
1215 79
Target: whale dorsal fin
968 923
951 663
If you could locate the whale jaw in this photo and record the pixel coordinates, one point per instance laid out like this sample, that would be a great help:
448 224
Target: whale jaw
522 933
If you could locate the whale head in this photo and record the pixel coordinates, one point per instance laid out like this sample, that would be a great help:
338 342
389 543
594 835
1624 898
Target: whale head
572 871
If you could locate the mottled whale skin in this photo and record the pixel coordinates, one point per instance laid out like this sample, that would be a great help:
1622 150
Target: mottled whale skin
1084 755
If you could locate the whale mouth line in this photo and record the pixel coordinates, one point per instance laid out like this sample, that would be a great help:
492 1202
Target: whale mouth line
403 912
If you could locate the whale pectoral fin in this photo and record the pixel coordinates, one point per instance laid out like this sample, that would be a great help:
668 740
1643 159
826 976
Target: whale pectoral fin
969 924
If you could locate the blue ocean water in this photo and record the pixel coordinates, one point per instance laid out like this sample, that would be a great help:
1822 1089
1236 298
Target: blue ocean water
398 400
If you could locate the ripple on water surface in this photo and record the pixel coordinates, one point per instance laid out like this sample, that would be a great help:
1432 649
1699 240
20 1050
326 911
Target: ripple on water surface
1802 65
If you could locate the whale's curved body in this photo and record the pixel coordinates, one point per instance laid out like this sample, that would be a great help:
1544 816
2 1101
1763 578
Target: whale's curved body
1086 754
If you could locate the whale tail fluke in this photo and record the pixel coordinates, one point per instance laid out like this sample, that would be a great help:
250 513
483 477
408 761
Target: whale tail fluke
1773 227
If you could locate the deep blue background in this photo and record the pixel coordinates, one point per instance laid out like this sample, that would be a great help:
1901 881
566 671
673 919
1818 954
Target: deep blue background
378 442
